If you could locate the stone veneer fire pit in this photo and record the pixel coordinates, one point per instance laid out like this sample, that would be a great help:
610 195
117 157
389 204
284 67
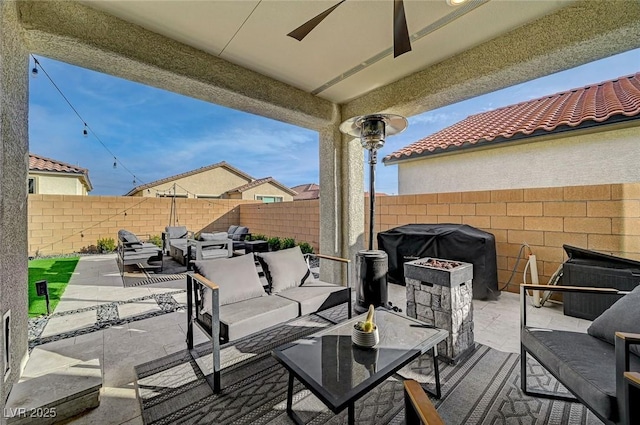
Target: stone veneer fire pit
439 292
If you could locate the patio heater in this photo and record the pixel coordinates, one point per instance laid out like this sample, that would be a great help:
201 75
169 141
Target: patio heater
372 265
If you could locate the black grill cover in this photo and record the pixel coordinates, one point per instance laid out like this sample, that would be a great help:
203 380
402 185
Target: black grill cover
447 241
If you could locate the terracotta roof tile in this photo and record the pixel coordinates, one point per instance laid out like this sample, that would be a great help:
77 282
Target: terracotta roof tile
306 192
41 163
594 104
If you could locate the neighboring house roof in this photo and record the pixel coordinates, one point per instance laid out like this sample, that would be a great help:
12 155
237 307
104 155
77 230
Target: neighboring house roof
259 182
597 104
189 173
44 164
306 192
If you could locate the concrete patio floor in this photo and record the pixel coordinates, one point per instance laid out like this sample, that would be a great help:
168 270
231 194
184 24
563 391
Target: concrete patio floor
97 282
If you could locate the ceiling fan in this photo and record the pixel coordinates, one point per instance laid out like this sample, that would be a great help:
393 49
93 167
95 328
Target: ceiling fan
401 42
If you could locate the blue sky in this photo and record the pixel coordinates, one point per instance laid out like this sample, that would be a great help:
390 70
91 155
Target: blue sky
156 134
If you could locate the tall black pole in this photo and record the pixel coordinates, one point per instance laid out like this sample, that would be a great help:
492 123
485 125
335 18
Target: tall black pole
372 194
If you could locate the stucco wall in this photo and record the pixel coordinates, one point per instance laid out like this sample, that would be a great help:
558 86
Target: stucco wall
211 182
266 189
14 66
60 224
583 159
50 184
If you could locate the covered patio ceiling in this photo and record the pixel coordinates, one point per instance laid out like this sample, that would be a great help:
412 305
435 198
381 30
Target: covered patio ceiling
241 48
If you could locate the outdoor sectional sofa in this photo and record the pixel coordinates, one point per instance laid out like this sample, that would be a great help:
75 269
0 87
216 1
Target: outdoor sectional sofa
600 367
227 299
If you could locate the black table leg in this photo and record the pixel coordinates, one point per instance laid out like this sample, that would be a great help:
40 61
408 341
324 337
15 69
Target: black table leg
351 414
290 395
436 372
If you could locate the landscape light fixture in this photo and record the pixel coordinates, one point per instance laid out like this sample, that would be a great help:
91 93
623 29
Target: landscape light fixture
372 131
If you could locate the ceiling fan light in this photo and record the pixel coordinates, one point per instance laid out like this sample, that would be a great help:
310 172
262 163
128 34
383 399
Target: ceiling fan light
455 2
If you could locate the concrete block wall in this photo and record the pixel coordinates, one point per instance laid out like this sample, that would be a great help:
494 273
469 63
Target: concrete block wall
299 220
604 218
61 224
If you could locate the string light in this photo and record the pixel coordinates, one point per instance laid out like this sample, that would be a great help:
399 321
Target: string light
34 70
86 128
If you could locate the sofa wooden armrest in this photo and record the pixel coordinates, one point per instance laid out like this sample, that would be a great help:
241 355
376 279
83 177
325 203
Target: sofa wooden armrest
345 261
418 409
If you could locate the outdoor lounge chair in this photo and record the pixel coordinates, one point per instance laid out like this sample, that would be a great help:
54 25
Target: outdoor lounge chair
133 251
174 234
598 367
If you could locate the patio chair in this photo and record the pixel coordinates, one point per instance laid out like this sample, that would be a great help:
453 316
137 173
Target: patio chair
208 249
133 251
238 235
599 367
174 234
418 409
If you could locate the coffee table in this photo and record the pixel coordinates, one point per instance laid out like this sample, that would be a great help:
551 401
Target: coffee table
339 373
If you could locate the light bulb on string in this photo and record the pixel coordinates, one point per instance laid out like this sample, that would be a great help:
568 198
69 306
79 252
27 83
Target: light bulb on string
115 162
85 133
134 180
34 70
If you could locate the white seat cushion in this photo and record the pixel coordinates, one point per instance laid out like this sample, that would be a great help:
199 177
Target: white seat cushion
253 315
313 295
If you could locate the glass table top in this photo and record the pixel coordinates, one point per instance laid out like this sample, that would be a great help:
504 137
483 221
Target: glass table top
338 371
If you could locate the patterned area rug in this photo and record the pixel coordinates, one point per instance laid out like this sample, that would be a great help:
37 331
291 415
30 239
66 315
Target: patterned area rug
483 389
138 276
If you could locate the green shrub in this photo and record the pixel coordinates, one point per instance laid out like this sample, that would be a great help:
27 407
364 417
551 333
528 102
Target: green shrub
306 248
156 240
274 243
91 249
106 245
259 237
287 243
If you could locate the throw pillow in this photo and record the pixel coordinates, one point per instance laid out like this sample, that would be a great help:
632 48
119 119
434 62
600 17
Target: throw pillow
622 316
284 269
236 277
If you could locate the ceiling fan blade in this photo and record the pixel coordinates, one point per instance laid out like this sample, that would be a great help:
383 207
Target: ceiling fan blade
304 29
401 42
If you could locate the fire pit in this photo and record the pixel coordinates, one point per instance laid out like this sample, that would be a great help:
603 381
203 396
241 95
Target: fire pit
439 292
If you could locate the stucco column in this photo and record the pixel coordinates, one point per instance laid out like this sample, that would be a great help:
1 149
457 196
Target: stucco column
341 199
14 66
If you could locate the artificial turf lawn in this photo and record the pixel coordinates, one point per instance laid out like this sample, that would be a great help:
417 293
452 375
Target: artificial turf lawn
56 271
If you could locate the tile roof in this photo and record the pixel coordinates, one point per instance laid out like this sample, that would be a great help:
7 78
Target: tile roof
189 173
610 101
260 182
306 192
41 163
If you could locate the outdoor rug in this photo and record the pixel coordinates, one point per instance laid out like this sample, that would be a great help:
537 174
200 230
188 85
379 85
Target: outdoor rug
483 389
138 276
